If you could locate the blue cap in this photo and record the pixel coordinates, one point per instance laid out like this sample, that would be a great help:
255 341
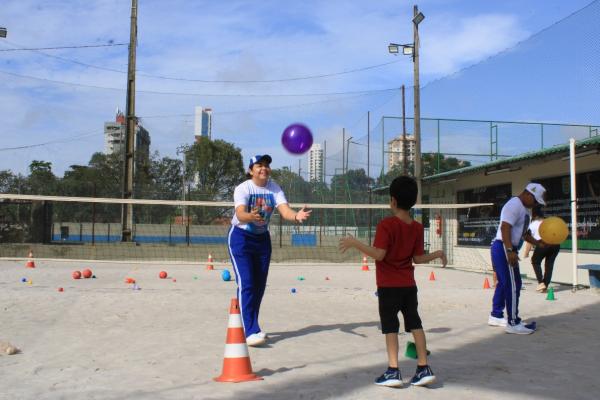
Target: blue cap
258 158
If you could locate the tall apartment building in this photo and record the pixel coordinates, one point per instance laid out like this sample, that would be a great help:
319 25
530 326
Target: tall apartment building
203 122
395 153
315 163
114 139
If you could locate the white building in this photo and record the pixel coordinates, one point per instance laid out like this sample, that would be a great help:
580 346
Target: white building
203 122
114 139
315 163
396 153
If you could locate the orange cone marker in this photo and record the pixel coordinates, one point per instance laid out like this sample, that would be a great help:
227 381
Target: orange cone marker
236 362
30 263
209 264
365 264
486 284
432 276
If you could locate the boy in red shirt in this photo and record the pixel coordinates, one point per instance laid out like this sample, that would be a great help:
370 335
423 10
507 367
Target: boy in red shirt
398 243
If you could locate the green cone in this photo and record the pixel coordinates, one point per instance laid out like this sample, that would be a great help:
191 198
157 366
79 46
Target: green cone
550 295
411 351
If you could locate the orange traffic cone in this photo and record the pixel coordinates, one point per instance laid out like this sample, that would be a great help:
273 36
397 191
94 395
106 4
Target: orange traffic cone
30 263
209 263
486 284
432 276
365 264
236 363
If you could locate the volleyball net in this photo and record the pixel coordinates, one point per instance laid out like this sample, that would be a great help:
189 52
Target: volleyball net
80 228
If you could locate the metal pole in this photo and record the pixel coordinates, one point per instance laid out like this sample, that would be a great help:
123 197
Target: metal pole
369 171
127 209
404 155
573 209
417 105
343 149
324 171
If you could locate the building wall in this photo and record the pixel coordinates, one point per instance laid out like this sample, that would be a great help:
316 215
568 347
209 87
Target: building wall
478 257
315 163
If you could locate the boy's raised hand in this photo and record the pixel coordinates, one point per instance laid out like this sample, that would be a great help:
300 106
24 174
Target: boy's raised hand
346 243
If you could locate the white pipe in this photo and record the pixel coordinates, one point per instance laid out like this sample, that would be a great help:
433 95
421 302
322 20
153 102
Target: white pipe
573 210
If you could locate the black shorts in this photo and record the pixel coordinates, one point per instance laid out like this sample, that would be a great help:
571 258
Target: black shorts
393 300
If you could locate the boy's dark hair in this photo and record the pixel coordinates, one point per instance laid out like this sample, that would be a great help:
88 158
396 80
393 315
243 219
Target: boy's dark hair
404 189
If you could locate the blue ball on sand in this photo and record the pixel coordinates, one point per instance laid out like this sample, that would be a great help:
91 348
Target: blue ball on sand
225 275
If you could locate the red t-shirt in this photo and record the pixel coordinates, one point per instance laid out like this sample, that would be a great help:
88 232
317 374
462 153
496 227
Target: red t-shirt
401 241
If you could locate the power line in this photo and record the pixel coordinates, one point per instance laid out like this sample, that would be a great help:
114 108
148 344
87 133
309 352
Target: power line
201 94
173 78
66 47
65 140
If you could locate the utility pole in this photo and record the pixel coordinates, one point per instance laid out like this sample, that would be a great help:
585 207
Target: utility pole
404 155
130 125
417 18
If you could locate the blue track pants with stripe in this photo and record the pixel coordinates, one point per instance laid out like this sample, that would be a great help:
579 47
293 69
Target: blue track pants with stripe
508 288
250 256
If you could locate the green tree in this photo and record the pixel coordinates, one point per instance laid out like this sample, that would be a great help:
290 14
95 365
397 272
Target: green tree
41 180
296 189
213 169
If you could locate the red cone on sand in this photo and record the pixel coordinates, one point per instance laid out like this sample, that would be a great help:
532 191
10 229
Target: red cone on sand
486 284
365 264
432 276
209 262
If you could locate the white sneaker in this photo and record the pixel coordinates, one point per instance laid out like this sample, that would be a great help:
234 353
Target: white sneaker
541 287
255 340
263 335
519 329
493 321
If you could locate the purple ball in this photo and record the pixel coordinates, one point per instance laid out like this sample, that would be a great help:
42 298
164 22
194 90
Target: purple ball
297 139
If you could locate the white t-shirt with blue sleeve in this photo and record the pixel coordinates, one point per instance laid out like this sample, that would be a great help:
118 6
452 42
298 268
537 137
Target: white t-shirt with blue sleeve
518 216
266 199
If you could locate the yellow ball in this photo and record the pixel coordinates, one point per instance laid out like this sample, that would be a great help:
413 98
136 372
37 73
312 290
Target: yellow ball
553 230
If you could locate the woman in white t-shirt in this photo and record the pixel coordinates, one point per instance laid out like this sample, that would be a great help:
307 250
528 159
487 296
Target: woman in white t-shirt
249 240
542 251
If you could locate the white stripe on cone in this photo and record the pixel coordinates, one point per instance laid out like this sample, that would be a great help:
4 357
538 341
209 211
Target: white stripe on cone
236 350
235 321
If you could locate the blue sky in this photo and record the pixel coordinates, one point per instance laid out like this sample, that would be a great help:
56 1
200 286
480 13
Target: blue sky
502 60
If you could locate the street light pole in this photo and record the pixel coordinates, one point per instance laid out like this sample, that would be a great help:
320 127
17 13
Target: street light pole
417 18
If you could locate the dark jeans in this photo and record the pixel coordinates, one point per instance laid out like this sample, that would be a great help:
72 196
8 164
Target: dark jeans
549 253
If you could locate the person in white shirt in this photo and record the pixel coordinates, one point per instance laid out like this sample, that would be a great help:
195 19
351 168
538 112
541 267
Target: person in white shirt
249 240
514 220
543 251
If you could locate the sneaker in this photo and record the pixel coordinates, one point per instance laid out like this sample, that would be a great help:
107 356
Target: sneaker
493 321
519 329
423 377
263 335
255 340
541 288
390 378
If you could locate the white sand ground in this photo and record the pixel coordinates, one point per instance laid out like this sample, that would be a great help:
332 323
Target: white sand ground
99 339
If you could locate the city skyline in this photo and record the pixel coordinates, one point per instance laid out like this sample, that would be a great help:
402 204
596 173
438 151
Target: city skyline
477 60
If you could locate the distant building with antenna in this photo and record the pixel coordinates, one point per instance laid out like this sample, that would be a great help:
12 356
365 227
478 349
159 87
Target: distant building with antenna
114 139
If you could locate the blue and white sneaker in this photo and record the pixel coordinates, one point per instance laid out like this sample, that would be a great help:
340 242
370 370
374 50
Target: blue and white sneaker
390 378
423 376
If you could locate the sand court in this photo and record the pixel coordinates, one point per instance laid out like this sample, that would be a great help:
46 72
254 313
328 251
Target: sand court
100 339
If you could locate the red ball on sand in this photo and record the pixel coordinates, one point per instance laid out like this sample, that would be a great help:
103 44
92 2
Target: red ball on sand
61 289
162 275
174 280
87 273
76 275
